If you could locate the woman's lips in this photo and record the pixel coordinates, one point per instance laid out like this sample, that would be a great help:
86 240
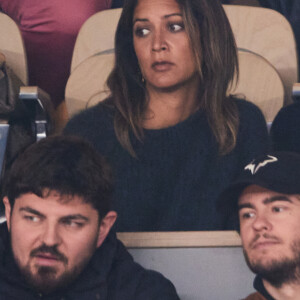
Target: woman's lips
162 66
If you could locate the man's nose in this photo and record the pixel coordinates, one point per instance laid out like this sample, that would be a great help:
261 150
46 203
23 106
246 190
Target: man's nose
50 235
262 222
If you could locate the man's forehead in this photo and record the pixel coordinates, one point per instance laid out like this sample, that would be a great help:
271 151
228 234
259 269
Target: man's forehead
254 192
54 201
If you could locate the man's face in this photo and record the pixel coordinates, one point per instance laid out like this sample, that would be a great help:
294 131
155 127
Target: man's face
52 240
269 228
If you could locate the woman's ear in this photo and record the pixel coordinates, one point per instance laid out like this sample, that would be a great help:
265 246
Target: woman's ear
7 211
106 224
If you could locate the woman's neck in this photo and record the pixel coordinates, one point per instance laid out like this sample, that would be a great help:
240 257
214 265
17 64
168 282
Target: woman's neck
169 107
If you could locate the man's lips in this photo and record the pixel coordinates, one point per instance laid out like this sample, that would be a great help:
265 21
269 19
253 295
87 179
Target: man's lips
264 243
45 259
47 256
162 66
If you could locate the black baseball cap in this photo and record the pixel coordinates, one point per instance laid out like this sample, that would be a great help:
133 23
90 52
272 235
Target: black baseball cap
276 171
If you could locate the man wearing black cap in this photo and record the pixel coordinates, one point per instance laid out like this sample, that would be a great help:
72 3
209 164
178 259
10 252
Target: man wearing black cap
267 196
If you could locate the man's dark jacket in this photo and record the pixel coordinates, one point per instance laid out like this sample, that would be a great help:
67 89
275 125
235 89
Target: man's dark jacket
111 275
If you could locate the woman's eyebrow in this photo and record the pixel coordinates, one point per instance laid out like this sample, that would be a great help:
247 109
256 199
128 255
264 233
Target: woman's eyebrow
164 17
140 20
171 15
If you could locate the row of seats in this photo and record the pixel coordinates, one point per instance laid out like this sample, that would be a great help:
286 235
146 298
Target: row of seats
267 57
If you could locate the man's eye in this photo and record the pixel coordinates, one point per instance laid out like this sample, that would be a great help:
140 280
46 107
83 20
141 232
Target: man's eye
277 209
73 224
141 32
176 27
247 215
34 219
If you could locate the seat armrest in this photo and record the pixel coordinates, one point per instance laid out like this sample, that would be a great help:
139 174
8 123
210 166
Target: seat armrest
39 106
296 92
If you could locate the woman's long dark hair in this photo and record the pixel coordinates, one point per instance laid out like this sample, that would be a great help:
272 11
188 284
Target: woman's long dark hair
215 54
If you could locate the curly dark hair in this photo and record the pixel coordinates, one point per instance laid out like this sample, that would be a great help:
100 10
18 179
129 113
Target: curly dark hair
64 164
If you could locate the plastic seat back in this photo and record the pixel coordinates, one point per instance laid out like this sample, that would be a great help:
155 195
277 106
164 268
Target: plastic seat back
267 33
12 46
259 83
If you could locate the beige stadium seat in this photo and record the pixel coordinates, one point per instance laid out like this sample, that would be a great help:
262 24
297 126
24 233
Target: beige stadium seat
259 83
11 45
269 34
86 85
96 36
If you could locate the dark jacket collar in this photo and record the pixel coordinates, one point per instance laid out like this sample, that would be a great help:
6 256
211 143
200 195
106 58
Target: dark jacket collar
259 286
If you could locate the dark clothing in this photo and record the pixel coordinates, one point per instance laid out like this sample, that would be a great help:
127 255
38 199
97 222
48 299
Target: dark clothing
285 131
117 3
111 275
262 293
175 181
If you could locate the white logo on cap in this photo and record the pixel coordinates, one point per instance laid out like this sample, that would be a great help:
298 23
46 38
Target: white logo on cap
254 168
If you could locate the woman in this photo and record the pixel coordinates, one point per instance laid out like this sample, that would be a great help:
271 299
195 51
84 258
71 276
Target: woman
173 137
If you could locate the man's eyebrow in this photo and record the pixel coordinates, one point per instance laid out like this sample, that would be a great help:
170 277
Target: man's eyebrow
245 205
267 201
31 210
75 217
277 198
165 17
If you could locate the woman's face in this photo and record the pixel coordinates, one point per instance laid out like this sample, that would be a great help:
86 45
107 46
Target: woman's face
162 45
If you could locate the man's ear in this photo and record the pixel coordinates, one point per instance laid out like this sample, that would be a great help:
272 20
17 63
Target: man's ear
105 226
7 211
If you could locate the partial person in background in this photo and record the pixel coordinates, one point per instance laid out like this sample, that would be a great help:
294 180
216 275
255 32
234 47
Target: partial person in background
266 197
285 130
173 135
49 29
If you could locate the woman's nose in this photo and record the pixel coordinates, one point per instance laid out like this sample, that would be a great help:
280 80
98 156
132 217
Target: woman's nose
159 42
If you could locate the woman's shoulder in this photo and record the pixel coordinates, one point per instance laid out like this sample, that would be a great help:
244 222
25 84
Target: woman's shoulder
249 114
246 107
97 117
252 128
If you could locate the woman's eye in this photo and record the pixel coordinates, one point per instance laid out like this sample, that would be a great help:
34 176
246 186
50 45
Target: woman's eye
141 32
176 27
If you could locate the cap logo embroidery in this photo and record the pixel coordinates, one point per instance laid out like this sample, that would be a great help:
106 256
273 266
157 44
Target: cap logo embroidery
253 168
